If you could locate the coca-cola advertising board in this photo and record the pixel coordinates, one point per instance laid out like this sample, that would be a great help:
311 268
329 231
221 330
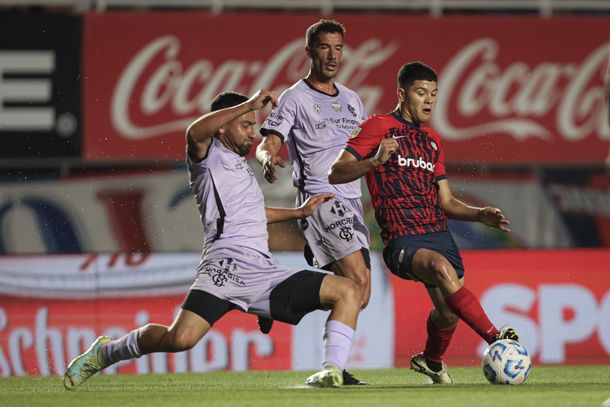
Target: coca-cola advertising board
507 95
559 301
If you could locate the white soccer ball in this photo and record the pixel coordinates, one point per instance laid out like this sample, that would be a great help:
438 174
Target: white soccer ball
506 362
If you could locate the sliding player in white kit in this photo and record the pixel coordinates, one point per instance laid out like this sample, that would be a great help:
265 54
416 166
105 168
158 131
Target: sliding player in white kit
315 117
236 271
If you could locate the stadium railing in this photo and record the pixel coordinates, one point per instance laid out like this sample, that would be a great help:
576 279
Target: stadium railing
544 8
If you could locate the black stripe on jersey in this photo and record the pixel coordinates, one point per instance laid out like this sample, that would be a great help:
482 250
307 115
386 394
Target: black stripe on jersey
220 222
301 181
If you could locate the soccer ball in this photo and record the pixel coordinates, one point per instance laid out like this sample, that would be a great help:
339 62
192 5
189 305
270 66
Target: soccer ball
506 362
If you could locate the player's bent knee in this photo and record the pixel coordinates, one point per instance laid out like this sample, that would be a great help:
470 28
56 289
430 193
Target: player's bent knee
365 299
361 279
181 341
345 291
352 295
441 270
449 318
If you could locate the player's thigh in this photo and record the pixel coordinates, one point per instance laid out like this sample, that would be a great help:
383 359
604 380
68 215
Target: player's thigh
187 329
199 312
353 266
432 267
336 288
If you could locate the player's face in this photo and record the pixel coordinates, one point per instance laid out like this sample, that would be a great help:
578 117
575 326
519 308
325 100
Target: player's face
326 56
239 134
417 102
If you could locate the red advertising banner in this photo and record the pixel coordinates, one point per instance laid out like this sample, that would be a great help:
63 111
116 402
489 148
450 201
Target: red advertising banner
53 307
558 300
527 95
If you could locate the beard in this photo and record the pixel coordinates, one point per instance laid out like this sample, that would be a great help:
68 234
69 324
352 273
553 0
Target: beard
244 149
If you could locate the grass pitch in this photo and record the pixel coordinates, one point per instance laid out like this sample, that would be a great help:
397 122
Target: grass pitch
570 386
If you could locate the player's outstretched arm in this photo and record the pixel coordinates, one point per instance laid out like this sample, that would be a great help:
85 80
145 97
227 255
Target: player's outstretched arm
199 134
347 168
267 156
456 209
303 211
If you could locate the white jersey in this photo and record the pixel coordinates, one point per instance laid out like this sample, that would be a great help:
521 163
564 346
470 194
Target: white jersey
229 200
316 127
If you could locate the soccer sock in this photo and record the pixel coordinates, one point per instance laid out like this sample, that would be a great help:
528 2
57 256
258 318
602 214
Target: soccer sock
466 306
436 344
338 339
121 349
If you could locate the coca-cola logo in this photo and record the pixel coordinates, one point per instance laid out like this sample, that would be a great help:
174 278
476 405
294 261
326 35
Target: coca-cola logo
188 91
474 86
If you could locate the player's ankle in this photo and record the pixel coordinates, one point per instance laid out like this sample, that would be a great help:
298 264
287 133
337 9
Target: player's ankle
434 365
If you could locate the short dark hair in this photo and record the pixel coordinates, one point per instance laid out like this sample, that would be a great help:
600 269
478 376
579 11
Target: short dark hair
322 26
227 99
415 71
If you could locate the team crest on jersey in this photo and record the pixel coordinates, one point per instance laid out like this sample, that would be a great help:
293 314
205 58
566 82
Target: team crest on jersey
434 146
346 233
338 209
317 108
352 110
336 107
224 273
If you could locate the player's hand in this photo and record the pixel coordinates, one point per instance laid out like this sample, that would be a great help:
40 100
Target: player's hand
387 147
312 203
494 218
269 167
261 98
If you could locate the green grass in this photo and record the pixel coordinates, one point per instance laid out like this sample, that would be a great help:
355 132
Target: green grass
571 386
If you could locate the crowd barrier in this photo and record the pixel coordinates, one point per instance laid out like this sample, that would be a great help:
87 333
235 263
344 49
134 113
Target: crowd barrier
52 307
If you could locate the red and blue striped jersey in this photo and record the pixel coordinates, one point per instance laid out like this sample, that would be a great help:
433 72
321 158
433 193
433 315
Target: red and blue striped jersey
404 190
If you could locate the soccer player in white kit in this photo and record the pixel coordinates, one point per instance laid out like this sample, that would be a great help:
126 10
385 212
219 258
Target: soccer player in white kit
315 117
236 271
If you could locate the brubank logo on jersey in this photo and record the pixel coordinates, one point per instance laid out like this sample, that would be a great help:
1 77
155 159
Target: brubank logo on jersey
412 162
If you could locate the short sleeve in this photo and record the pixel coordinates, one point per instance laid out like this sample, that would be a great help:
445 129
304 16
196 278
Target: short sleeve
366 138
363 115
282 118
439 167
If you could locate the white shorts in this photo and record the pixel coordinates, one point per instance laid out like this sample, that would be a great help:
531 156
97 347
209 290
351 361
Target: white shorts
241 276
335 230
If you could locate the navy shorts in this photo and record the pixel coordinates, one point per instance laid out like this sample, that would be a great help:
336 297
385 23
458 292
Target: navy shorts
398 253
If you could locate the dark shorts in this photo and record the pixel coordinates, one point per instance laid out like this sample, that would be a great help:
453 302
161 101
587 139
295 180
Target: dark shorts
296 296
207 306
289 301
398 253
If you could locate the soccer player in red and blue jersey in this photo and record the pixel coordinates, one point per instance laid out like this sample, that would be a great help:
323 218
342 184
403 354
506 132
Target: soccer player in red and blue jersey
403 161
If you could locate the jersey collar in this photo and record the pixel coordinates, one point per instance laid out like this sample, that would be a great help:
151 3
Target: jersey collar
319 91
403 121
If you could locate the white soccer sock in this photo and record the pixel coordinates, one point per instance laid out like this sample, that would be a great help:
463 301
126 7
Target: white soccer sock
338 339
121 349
